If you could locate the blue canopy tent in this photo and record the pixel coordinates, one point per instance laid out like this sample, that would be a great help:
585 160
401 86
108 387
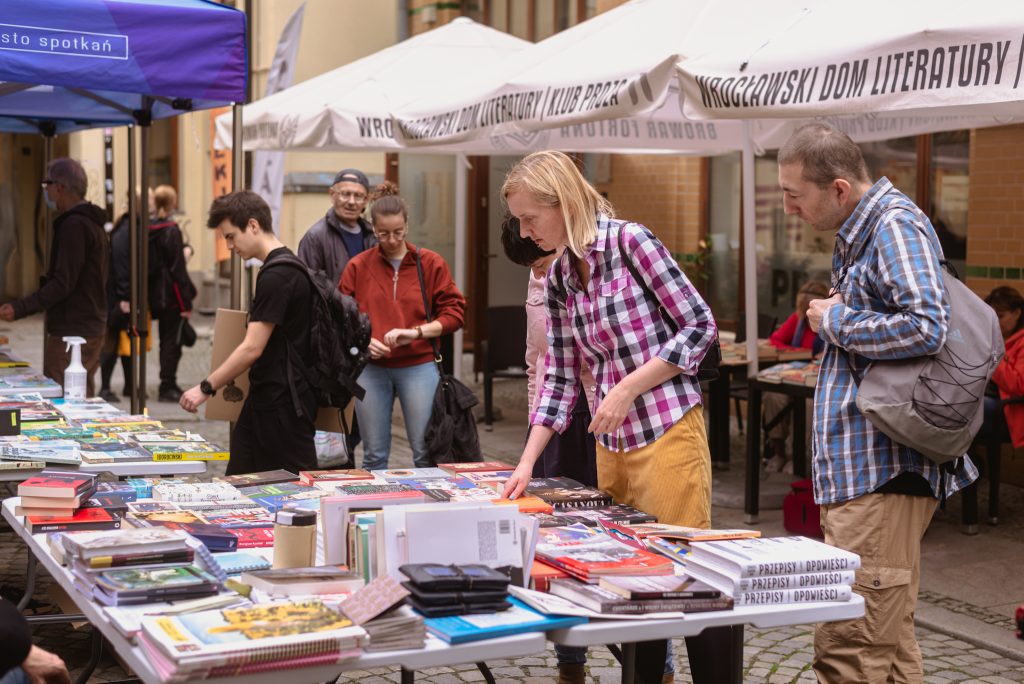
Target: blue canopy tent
66 65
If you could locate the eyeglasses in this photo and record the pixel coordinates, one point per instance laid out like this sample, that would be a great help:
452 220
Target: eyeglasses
356 196
49 182
396 235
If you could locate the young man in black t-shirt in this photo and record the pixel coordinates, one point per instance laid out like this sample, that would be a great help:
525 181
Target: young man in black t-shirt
275 428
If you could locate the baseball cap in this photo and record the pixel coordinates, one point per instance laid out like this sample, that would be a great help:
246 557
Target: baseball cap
352 176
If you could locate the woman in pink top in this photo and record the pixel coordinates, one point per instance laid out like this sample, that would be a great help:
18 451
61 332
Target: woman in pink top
571 454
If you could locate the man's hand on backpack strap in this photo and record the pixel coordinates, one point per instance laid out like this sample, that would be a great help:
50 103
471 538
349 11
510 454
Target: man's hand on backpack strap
817 309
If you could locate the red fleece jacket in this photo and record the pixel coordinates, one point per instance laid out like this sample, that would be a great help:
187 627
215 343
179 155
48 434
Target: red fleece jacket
392 302
1009 377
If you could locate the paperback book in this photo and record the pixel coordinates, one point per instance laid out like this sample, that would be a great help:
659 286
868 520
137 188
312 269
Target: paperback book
459 629
266 477
601 600
773 556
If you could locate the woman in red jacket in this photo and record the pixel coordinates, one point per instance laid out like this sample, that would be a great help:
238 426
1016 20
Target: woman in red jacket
384 281
1009 376
794 333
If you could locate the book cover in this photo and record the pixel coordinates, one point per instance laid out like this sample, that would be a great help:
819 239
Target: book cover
526 504
121 490
253 537
312 477
833 593
479 467
424 473
123 541
567 493
260 633
374 599
459 629
266 477
350 490
658 587
323 579
599 600
237 518
57 483
488 477
84 519
21 465
172 520
236 562
188 451
733 585
774 556
60 452
212 537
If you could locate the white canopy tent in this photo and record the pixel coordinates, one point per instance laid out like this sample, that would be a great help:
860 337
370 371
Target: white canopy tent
351 108
624 62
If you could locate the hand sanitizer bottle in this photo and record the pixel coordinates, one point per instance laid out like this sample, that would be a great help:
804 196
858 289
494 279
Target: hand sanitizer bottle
75 375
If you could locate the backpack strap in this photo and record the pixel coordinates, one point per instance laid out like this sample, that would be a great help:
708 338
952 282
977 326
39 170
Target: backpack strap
670 322
294 360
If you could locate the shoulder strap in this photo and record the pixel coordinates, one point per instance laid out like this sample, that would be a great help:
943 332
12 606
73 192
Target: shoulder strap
648 293
426 309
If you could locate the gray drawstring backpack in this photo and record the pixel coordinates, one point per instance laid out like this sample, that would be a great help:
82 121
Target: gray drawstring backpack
934 404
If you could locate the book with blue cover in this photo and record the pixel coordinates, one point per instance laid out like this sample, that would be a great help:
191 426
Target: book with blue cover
236 562
460 629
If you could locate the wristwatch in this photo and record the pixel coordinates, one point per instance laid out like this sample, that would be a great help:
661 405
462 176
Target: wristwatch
419 332
206 388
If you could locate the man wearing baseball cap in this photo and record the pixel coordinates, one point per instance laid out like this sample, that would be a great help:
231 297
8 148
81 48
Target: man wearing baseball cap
343 232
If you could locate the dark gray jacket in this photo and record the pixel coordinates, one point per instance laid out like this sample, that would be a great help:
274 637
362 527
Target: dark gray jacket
323 249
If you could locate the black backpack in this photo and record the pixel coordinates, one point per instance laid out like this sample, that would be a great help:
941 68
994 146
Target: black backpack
339 338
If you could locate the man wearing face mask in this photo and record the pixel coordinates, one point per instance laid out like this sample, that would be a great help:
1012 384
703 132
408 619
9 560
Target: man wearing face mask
73 294
342 232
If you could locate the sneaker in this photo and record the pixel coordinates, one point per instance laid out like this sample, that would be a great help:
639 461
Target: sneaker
775 464
172 394
108 396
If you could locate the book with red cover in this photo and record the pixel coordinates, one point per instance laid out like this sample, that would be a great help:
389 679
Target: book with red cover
479 467
83 519
57 483
252 537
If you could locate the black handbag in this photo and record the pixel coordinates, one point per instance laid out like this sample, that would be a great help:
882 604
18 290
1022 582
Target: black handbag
451 435
186 333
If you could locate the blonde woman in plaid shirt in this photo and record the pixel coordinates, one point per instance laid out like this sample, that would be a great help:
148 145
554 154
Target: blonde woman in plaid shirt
652 450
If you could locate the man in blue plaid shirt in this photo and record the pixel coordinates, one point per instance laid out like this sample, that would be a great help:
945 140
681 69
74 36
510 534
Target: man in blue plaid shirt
877 497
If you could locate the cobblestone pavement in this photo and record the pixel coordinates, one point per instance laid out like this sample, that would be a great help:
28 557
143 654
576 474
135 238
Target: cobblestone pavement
771 656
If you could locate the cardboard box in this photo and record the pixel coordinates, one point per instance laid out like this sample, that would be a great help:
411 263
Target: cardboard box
228 333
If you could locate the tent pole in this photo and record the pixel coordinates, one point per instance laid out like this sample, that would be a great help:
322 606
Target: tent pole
143 257
47 213
133 260
749 250
237 182
462 167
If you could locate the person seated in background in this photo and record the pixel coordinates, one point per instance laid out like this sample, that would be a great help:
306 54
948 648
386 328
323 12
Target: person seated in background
1008 379
794 333
21 661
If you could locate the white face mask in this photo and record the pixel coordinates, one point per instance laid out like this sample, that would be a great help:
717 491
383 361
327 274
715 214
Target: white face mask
52 204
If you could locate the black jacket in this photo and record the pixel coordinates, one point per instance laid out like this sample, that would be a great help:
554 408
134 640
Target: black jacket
74 293
15 635
119 277
323 249
170 287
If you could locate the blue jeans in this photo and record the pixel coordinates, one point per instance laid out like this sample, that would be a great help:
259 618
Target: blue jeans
415 387
15 676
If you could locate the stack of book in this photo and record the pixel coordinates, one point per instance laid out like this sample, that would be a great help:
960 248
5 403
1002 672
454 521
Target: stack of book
439 590
58 501
588 554
377 608
258 638
804 373
19 382
631 595
54 451
758 572
592 517
219 525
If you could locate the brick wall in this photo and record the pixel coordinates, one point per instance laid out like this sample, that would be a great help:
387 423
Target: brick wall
661 191
995 210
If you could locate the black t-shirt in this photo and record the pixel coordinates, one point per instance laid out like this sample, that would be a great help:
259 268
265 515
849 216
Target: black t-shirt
283 297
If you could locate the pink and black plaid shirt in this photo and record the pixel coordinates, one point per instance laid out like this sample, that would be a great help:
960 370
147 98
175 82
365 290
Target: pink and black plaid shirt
614 329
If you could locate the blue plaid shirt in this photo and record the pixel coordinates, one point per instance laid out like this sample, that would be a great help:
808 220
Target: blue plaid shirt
894 308
615 329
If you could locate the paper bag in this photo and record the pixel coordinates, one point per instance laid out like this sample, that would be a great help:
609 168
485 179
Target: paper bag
228 333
